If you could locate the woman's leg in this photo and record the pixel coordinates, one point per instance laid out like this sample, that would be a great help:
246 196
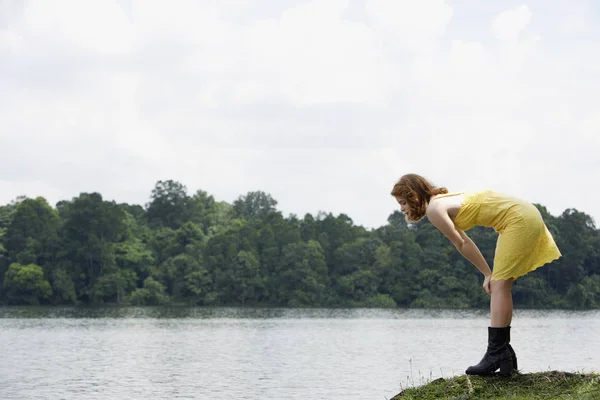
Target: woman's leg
501 305
501 310
498 354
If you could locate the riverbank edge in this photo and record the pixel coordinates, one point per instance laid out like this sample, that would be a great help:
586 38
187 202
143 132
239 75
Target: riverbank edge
540 385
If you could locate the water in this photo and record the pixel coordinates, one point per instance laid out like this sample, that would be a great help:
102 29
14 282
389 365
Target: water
232 353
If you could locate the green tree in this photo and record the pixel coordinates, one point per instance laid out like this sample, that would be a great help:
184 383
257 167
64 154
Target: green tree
301 278
575 239
152 294
196 250
6 214
25 284
169 205
90 231
198 287
254 205
32 234
206 212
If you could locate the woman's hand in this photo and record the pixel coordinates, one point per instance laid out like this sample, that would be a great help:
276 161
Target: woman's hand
486 284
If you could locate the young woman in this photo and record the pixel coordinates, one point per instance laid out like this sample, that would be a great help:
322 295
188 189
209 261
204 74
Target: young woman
524 244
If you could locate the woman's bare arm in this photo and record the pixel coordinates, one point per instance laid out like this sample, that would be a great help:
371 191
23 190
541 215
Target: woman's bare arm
438 216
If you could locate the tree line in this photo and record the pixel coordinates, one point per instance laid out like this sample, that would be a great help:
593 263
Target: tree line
191 249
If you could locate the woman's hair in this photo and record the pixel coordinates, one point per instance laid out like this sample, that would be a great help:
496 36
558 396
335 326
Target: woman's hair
417 192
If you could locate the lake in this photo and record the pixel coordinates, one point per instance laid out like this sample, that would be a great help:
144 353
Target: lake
249 353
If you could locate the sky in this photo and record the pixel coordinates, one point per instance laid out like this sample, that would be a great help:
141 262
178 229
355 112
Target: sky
322 104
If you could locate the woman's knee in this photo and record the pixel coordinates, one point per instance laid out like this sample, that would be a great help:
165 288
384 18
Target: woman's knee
502 285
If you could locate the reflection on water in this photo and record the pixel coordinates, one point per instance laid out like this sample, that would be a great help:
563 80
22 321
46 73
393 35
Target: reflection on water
179 312
265 353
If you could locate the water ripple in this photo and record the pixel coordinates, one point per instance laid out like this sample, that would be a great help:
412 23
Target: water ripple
224 353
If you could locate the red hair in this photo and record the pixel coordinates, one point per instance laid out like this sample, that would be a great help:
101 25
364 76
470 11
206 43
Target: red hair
417 192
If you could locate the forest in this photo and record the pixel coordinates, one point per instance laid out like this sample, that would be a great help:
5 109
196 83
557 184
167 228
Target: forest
189 249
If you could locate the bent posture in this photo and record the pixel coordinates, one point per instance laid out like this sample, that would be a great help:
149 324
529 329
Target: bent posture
524 244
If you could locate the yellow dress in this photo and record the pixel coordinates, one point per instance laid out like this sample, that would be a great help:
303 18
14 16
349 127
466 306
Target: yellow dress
524 242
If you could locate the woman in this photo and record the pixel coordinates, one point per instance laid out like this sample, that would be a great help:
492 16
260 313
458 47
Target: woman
524 244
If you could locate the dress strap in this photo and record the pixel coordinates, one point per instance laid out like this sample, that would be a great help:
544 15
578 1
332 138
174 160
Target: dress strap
449 194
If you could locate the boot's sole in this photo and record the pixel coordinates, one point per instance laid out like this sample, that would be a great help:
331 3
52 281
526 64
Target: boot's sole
505 369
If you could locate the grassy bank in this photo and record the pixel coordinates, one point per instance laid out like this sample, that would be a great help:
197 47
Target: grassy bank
543 385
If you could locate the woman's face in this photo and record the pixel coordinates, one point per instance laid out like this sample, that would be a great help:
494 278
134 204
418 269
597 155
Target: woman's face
403 205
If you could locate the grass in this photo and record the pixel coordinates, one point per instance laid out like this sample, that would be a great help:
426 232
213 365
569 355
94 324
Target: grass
541 385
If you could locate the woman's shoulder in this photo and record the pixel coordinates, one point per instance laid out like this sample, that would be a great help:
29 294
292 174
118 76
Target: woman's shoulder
444 201
448 194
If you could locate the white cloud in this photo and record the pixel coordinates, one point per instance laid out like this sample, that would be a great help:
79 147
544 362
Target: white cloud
578 20
410 22
509 24
93 26
322 104
313 56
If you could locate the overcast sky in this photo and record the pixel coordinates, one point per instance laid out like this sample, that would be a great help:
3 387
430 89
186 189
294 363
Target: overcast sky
323 104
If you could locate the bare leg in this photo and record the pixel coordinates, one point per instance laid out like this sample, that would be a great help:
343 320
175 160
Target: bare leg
499 354
501 305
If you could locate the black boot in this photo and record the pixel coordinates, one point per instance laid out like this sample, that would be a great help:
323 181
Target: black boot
496 356
512 352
